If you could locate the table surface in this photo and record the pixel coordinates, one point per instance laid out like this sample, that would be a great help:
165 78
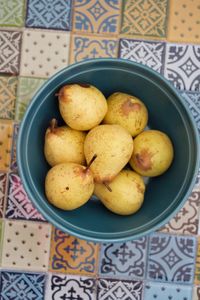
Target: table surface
37 38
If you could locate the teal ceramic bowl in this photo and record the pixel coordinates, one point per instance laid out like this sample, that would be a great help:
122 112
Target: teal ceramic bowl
164 194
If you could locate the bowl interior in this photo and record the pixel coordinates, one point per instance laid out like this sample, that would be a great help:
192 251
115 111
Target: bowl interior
164 194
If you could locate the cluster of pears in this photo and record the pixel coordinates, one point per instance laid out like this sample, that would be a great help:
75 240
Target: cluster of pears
89 155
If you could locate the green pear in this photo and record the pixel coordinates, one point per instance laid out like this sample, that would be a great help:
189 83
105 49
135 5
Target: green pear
69 185
153 153
82 106
125 194
63 144
127 111
113 146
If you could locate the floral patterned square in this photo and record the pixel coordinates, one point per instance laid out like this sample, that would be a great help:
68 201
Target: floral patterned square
12 13
123 260
72 255
8 89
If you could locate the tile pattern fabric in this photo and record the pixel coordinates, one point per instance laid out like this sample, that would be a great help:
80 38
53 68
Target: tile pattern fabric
124 260
70 287
27 87
8 89
18 286
197 271
3 180
12 13
49 14
148 53
6 130
85 47
155 290
171 258
10 45
18 204
26 245
119 289
184 22
144 18
186 220
13 165
44 53
97 16
182 66
72 255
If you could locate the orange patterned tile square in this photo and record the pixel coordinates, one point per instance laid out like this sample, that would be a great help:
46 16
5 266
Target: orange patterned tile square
92 46
184 21
197 271
96 16
72 255
6 130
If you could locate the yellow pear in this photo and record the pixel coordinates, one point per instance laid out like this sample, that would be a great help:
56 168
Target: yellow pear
153 153
127 111
63 144
113 146
125 194
69 185
82 106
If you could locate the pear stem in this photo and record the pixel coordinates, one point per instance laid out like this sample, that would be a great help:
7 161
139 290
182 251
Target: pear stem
107 186
92 160
53 125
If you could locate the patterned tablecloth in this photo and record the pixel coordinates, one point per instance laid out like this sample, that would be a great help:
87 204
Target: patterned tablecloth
37 38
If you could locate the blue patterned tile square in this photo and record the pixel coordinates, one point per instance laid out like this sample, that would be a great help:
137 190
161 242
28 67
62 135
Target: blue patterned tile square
157 291
111 289
97 16
49 14
123 260
70 287
149 53
171 258
26 286
193 101
182 66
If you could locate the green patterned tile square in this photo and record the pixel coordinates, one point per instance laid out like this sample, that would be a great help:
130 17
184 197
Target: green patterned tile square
8 89
12 13
27 87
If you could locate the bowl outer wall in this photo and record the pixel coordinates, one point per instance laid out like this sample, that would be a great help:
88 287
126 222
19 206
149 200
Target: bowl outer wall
44 207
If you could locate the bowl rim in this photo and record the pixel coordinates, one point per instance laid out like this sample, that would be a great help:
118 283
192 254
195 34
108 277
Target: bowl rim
82 235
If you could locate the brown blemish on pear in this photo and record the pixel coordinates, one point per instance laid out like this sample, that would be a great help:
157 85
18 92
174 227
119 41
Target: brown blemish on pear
84 85
143 160
63 94
128 106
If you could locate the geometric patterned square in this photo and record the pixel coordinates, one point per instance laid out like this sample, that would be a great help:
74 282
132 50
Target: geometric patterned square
8 88
96 16
12 13
85 47
18 286
193 101
182 66
148 53
70 287
164 291
49 14
184 21
27 87
6 130
111 289
44 52
186 220
13 165
72 255
144 18
197 271
26 245
171 258
10 44
124 260
3 180
18 204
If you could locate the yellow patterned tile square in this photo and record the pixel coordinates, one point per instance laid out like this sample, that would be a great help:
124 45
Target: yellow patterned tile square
6 130
184 21
145 18
197 272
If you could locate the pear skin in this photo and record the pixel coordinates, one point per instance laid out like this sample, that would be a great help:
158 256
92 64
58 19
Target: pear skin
153 153
125 194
